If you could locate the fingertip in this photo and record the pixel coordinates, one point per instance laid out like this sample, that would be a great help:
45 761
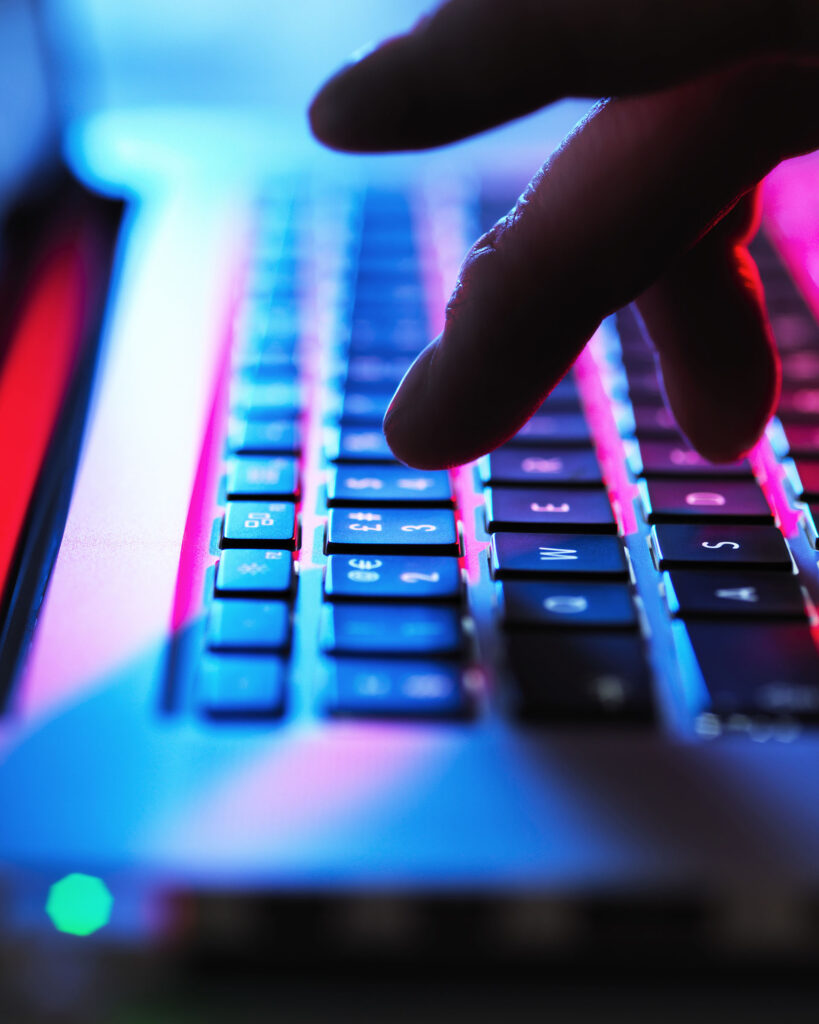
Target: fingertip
360 109
723 417
410 418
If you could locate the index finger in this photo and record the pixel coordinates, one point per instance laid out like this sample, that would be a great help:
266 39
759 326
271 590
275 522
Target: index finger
638 184
474 64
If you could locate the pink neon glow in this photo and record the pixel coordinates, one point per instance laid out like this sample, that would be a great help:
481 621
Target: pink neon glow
441 231
194 557
791 217
35 378
316 309
598 409
111 596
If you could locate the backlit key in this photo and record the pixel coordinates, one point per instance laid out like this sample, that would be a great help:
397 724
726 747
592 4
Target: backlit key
703 499
376 484
265 437
518 466
260 524
391 629
667 458
683 545
804 479
518 555
241 686
268 400
363 407
360 444
802 439
392 577
256 476
376 372
242 624
567 604
549 509
392 531
381 688
586 676
758 669
734 593
560 428
652 421
254 573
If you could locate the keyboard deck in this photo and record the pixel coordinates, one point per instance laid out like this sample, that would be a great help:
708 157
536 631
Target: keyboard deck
593 570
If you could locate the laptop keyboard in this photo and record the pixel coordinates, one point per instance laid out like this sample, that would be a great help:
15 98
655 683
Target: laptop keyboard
594 569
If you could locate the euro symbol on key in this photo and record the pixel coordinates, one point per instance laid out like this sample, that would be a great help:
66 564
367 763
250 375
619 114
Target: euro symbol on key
365 563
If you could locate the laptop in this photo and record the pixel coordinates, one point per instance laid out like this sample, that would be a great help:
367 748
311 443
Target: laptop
271 697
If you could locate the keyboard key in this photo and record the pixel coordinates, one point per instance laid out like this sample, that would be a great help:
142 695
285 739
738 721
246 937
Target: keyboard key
256 476
566 428
758 668
801 367
802 439
799 403
260 524
241 624
368 688
795 331
811 524
517 466
377 484
586 676
681 545
392 531
359 444
564 397
376 372
652 421
804 479
271 365
392 577
391 629
669 458
241 686
734 593
382 334
254 573
268 400
515 555
567 604
644 386
548 509
265 437
703 499
364 408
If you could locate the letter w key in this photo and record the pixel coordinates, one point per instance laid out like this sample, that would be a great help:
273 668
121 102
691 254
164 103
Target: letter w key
557 554
521 555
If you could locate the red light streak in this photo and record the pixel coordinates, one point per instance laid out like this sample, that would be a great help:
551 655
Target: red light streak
35 379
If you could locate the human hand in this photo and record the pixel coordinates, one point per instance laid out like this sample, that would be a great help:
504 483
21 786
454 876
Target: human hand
651 198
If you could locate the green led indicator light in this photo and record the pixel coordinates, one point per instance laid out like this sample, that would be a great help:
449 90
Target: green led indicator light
79 904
